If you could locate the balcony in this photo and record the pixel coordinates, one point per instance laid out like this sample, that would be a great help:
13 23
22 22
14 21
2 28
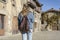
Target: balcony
34 5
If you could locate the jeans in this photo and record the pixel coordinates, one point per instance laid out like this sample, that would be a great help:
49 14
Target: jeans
27 36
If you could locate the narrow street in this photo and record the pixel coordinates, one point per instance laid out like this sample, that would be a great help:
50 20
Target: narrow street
45 35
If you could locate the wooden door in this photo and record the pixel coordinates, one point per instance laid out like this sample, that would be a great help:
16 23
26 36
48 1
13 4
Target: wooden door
1 24
15 25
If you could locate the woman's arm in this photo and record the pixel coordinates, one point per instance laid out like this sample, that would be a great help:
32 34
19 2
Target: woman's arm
31 17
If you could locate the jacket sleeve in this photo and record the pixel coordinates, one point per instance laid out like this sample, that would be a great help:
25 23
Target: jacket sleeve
32 17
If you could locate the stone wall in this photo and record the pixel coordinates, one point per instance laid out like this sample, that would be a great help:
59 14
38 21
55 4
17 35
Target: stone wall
11 10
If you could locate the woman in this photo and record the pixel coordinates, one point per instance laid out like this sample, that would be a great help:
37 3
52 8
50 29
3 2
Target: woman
30 16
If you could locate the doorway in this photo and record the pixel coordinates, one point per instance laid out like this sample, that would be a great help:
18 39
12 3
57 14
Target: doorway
1 24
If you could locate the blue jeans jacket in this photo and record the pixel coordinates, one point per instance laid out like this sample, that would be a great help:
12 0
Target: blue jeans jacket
30 17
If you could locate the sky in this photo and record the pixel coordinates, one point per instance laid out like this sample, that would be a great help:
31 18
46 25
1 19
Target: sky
48 4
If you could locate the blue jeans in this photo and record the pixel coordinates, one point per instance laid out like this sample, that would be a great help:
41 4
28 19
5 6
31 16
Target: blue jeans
27 36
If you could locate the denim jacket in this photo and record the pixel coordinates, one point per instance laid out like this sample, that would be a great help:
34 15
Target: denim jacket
30 17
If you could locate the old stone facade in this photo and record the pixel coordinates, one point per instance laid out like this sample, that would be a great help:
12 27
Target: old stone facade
9 10
37 23
51 20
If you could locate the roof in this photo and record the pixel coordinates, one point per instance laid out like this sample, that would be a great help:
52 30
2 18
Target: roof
37 3
52 10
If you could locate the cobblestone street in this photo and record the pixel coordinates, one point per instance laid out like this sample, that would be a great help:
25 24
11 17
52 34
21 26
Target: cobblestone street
36 36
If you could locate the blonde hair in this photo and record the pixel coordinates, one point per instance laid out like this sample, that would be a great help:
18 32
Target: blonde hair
25 10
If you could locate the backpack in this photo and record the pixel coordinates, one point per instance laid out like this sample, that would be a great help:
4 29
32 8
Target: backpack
24 24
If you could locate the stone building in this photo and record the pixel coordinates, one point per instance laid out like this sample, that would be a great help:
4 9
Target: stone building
37 13
51 19
9 10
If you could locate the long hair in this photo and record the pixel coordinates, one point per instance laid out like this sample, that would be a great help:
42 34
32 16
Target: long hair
25 9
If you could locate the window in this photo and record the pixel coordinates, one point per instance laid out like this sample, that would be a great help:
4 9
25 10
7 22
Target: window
2 0
35 24
13 3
